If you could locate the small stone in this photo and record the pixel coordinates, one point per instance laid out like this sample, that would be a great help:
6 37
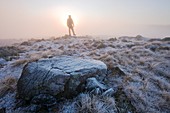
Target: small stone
108 92
92 83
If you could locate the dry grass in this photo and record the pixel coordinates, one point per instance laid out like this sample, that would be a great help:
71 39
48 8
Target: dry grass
19 62
165 102
24 61
108 60
8 84
128 79
46 54
36 56
141 62
87 103
160 84
145 85
8 51
95 104
166 95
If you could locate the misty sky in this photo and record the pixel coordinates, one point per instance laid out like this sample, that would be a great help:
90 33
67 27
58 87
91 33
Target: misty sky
45 18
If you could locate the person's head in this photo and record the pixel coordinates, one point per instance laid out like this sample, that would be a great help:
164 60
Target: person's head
69 16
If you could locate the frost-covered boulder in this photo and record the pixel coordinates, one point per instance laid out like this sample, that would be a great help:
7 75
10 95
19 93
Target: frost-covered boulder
61 76
166 39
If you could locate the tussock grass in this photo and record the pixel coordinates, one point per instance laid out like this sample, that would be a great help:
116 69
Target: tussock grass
45 54
108 60
96 104
36 56
19 62
9 51
166 96
8 84
165 102
87 103
24 61
127 79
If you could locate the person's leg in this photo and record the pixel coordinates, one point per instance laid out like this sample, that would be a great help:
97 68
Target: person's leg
73 31
69 32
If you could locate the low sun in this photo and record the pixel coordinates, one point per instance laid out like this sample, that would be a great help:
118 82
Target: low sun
62 15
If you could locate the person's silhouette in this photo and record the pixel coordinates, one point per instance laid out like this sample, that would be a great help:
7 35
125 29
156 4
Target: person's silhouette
70 25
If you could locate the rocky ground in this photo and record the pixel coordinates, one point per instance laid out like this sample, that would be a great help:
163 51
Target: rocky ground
137 78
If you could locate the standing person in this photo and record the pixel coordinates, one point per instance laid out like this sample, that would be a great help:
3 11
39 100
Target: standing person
70 25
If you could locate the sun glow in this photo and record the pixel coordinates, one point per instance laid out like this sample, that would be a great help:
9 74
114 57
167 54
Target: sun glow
61 15
64 18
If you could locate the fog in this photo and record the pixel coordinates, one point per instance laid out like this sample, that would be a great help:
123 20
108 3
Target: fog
42 19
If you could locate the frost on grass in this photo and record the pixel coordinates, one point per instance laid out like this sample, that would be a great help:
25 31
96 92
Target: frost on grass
9 52
86 103
145 63
8 84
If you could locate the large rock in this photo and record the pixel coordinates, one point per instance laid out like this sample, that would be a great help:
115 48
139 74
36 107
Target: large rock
61 76
166 39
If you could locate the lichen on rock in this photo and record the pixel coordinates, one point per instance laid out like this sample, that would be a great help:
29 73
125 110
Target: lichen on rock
58 77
